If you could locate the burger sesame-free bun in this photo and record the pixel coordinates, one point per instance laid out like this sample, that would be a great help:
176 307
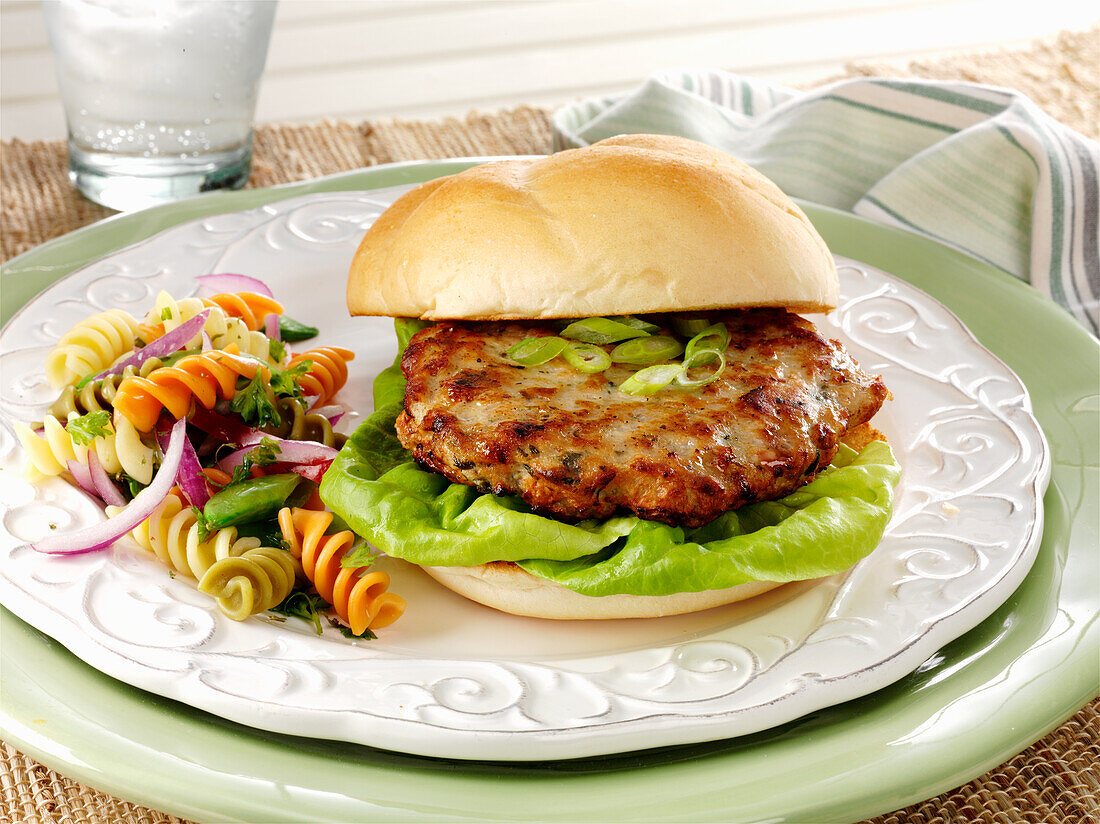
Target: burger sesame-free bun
632 224
509 588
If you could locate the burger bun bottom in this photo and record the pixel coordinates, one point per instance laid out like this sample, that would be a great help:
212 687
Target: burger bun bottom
505 586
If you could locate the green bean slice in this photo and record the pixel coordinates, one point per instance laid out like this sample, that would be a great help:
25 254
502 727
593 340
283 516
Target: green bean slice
292 331
253 499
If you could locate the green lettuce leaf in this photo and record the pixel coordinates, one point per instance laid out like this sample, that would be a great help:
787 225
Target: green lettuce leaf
411 513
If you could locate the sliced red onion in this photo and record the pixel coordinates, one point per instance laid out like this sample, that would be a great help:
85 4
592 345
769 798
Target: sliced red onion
106 490
92 478
104 533
82 475
207 344
295 454
213 284
163 346
333 412
192 482
311 472
271 327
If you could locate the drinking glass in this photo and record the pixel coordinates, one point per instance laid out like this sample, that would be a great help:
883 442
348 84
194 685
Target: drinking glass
158 94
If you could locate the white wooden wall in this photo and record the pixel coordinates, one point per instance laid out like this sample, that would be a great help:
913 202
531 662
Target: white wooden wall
426 58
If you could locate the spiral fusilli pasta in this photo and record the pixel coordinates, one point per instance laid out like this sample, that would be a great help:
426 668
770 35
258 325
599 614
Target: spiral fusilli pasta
91 346
256 580
234 319
106 424
119 450
205 377
360 599
327 373
242 588
49 453
251 307
96 396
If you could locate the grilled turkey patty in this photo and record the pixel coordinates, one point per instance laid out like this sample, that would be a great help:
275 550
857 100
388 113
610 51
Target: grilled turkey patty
573 446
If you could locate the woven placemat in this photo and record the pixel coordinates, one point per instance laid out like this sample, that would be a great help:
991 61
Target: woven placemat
1055 780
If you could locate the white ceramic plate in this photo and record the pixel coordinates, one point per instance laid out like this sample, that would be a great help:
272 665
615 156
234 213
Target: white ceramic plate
457 680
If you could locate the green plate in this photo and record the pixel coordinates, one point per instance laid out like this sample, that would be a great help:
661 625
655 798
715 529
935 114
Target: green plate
970 707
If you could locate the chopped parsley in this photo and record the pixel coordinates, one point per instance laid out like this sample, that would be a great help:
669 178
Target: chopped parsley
305 605
347 633
308 606
255 402
285 382
278 350
265 454
202 524
361 555
87 428
254 405
267 531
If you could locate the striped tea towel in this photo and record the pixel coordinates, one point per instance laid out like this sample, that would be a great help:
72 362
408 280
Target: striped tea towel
979 168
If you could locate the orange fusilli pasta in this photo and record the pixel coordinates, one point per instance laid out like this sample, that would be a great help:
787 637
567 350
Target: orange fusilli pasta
250 307
206 377
328 371
360 599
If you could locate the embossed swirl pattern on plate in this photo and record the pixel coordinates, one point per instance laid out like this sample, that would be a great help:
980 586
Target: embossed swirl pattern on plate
965 530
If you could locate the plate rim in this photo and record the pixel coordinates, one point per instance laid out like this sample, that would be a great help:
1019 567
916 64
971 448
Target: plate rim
433 168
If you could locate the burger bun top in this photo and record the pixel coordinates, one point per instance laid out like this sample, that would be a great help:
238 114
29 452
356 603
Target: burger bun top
631 224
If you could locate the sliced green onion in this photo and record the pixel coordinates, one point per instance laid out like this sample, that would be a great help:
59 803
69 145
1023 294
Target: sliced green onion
689 327
649 350
651 379
533 351
586 357
601 331
701 357
635 323
712 341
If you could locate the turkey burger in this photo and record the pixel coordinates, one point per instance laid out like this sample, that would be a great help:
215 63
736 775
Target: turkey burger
607 403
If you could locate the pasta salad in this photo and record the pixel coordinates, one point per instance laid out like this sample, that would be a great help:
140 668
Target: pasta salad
205 436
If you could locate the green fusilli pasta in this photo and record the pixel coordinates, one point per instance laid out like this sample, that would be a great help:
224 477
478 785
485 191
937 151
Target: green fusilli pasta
96 396
242 575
